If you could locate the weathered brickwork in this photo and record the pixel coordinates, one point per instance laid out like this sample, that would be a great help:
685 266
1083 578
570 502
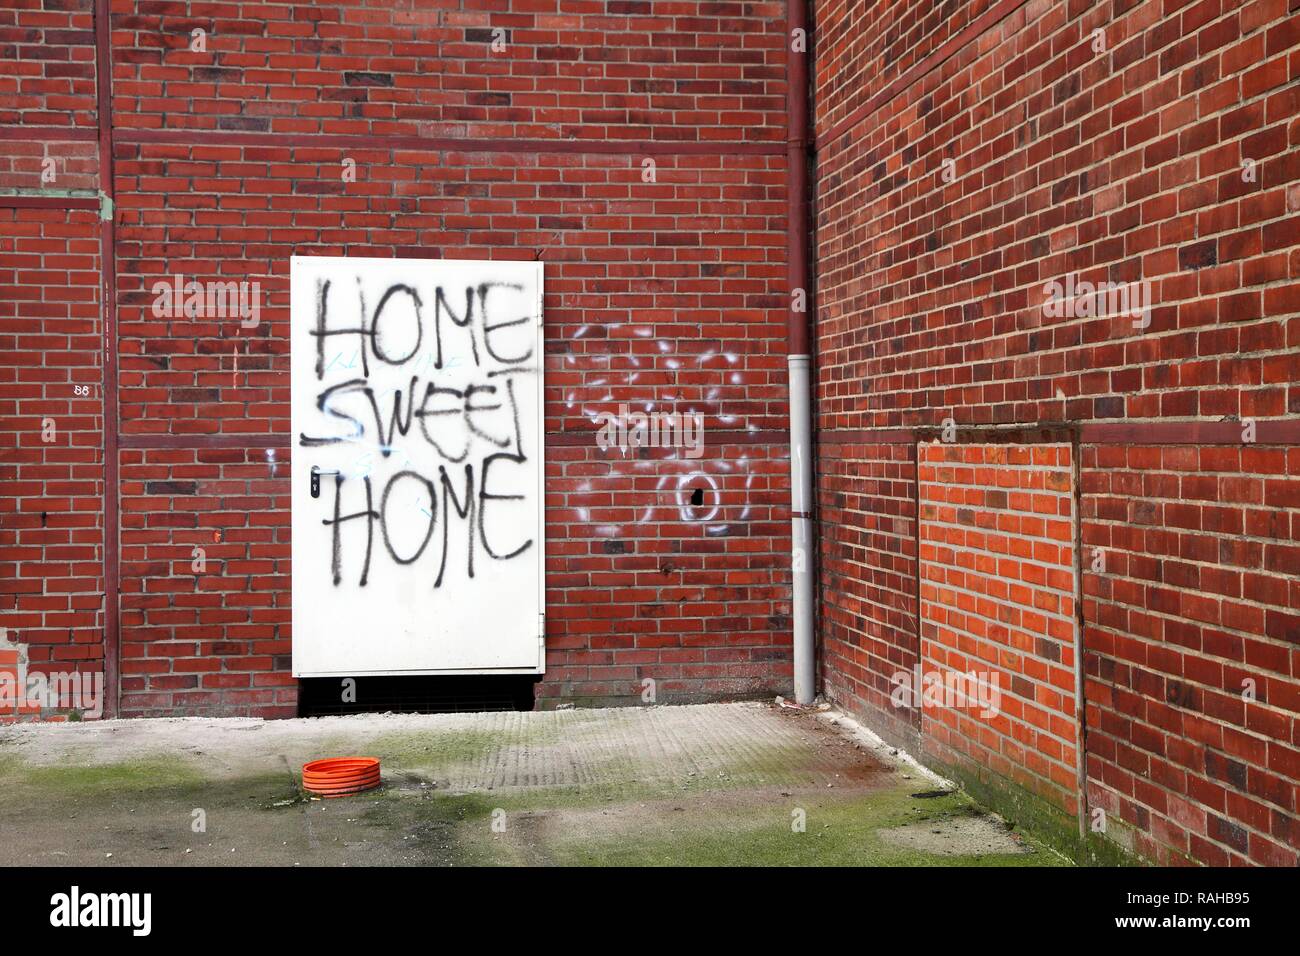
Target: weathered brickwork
637 149
1192 646
998 613
51 465
1019 144
625 70
868 576
969 159
47 64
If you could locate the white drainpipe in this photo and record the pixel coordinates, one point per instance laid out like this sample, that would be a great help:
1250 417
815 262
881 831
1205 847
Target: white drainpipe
801 527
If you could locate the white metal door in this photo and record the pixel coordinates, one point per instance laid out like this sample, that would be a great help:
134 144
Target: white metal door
417 466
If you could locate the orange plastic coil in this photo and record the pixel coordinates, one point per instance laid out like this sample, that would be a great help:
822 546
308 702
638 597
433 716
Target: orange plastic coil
340 776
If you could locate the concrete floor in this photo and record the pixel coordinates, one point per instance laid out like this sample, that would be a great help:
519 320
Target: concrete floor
742 783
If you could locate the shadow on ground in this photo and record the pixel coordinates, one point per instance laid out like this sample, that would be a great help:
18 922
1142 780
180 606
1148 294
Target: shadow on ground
717 784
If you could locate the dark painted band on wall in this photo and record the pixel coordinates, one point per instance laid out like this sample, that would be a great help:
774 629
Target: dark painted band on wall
1267 432
198 441
48 202
450 144
433 144
46 134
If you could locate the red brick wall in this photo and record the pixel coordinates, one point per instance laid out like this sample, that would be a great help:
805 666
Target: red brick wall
47 96
869 612
51 441
47 64
1120 165
638 586
1196 607
637 148
205 582
998 613
619 70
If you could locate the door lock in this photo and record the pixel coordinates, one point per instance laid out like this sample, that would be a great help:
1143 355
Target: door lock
315 479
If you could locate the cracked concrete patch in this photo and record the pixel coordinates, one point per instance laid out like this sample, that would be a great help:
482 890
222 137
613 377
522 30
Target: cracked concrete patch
972 835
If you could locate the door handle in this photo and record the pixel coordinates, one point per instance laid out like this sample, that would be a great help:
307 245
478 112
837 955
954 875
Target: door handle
315 479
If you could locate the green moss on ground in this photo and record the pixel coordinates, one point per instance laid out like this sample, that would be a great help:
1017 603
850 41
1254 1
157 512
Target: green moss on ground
154 773
564 826
1049 824
741 816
